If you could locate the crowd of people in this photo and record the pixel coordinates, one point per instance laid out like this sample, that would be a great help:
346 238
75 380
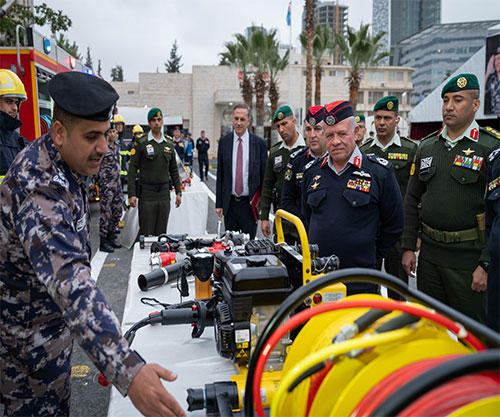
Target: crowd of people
380 202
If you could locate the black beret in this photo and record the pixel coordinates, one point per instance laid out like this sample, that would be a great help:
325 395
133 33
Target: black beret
83 95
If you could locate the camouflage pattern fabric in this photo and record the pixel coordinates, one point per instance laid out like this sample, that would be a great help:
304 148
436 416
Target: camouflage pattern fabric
47 295
110 192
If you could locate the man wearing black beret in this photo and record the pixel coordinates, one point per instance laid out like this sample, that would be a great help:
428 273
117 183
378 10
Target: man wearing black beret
47 294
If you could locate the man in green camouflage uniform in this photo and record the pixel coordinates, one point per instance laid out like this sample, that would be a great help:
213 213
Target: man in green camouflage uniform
400 152
286 124
449 179
153 155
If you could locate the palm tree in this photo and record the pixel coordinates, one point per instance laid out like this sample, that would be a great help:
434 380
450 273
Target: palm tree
275 65
322 43
310 6
237 54
260 51
360 50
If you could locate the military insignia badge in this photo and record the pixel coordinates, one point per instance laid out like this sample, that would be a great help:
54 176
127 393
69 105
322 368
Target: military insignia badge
312 121
412 169
468 151
357 119
390 105
288 174
314 185
470 162
132 151
330 120
280 115
426 162
158 114
167 149
398 156
474 134
494 184
493 155
462 82
359 185
382 161
299 175
277 161
317 177
80 224
61 180
357 161
362 174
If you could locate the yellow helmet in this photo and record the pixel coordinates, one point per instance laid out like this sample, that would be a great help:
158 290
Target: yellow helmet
11 85
118 119
137 129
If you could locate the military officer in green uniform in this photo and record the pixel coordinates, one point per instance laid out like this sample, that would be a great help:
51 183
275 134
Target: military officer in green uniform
292 140
448 178
361 122
153 159
400 152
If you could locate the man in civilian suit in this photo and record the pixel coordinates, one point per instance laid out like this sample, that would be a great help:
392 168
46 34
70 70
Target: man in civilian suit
241 165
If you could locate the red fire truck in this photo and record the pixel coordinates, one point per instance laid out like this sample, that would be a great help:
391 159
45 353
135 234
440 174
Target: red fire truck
35 64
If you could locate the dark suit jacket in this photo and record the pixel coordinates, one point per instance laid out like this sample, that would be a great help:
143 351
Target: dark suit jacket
257 150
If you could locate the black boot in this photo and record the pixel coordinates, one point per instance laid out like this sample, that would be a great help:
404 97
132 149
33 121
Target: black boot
113 242
105 246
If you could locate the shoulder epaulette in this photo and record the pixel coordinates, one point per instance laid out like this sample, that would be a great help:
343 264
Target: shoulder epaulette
436 133
168 137
409 141
297 153
311 164
493 155
378 160
276 145
490 131
367 143
142 139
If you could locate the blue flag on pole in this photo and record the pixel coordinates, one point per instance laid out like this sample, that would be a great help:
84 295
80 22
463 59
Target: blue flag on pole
289 15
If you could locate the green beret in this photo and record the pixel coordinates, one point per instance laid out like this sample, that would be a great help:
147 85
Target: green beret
459 83
360 118
154 112
281 113
387 103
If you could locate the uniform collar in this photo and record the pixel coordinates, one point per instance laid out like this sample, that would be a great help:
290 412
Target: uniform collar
472 133
151 137
395 140
355 159
300 142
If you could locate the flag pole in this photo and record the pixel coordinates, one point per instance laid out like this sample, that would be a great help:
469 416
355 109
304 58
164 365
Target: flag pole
290 60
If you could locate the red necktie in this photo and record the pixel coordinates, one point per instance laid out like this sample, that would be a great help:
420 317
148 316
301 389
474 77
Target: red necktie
238 183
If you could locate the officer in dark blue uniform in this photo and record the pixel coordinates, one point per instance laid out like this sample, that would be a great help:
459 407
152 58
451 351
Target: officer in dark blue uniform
291 199
351 201
493 230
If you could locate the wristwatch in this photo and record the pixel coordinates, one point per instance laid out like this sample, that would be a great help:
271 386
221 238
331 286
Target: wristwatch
484 265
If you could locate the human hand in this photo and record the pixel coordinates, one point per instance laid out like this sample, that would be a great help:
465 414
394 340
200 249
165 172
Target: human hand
419 242
479 279
409 262
148 394
490 67
219 212
265 226
132 201
177 200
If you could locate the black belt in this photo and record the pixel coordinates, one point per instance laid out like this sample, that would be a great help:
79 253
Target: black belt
155 187
239 197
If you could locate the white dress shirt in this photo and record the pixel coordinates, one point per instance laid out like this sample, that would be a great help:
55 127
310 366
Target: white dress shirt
246 156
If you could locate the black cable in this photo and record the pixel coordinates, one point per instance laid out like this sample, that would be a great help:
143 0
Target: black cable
397 322
370 317
356 275
130 333
439 375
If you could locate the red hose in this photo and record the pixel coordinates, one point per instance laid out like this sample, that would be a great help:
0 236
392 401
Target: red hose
305 315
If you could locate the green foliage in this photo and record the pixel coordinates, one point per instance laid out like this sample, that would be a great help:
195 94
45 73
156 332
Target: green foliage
22 15
323 43
117 73
174 63
71 49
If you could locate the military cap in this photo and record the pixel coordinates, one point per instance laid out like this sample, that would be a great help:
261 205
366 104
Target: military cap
315 115
360 118
337 111
459 83
83 95
390 103
154 112
281 113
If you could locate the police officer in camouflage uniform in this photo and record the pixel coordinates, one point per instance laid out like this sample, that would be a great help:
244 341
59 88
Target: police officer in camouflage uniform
47 294
291 140
449 179
110 193
400 151
153 159
291 199
351 201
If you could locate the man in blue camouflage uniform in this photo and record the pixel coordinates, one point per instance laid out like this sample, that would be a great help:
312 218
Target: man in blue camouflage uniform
47 295
291 199
111 194
351 201
202 146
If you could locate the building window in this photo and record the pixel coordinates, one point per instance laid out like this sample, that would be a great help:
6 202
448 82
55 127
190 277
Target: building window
374 96
333 73
397 94
130 92
396 76
361 97
376 75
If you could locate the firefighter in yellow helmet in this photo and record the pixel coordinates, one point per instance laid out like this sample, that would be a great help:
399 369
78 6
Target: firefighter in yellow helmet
137 131
119 122
12 94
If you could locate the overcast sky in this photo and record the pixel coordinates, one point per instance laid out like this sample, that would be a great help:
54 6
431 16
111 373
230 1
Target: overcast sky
138 34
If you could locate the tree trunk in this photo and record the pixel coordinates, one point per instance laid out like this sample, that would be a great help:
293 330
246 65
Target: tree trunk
354 83
246 90
260 91
317 86
310 6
